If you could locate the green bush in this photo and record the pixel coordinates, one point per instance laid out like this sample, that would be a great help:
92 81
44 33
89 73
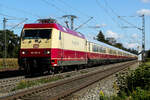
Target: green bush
140 94
139 78
134 85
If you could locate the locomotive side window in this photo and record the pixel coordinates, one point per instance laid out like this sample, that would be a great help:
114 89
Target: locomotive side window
60 35
37 34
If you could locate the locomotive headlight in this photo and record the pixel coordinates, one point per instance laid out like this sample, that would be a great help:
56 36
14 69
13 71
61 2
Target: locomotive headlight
23 52
46 52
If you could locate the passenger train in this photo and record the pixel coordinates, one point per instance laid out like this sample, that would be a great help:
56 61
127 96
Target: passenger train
50 46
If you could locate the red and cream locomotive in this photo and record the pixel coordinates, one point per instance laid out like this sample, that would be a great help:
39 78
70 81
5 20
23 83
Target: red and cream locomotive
48 46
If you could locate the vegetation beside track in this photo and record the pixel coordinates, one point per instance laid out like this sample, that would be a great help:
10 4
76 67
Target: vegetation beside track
10 62
26 84
133 85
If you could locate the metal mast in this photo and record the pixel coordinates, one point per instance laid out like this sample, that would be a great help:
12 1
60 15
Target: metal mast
143 38
5 41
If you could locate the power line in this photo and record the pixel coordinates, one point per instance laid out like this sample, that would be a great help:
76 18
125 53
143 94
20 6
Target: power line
22 11
48 3
82 13
115 14
110 8
13 18
120 17
74 8
107 12
18 24
134 26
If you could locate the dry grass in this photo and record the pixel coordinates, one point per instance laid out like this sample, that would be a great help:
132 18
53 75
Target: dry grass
10 62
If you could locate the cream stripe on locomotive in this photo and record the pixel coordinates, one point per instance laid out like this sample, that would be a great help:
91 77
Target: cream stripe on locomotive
58 39
67 41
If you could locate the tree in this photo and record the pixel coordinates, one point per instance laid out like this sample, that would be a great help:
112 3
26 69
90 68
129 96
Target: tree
148 53
119 45
101 37
12 44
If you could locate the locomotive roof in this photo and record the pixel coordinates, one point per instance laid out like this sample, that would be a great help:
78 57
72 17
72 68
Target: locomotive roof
56 26
108 46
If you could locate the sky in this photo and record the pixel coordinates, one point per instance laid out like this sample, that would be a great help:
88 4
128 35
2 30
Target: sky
115 18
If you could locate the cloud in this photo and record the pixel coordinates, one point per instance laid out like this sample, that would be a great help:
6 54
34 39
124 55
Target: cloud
97 26
131 45
103 25
135 36
144 11
145 1
109 33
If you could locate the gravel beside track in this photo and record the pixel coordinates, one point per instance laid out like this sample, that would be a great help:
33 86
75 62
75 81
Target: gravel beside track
7 84
60 88
108 86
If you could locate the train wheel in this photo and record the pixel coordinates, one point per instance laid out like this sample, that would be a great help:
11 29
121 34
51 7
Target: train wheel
61 69
52 71
27 69
77 68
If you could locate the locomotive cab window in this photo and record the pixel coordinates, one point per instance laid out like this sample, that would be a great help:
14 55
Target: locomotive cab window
37 34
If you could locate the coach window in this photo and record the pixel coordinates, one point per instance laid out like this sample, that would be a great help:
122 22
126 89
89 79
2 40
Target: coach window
101 49
104 50
94 48
60 35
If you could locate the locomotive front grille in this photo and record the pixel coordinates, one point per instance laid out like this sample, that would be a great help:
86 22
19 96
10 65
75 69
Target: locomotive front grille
38 61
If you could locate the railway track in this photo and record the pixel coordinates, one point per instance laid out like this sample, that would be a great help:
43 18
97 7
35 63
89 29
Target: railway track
7 84
66 86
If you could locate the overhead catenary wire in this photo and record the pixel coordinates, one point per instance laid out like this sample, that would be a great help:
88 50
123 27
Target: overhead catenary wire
11 17
53 5
107 12
77 10
132 25
120 17
69 6
18 24
22 11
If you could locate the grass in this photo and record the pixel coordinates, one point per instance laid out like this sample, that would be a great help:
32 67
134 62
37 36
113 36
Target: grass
83 72
135 86
132 86
26 84
10 62
147 63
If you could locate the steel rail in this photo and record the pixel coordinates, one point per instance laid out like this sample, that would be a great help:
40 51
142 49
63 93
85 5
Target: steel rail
100 75
31 92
